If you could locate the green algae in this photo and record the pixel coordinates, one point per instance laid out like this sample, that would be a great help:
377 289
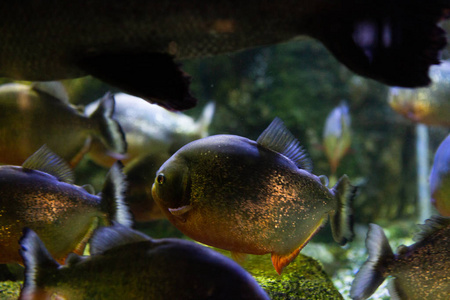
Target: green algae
9 290
304 278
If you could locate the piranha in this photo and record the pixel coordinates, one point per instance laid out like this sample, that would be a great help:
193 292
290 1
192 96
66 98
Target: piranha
440 178
126 264
31 116
150 129
140 176
132 44
41 195
429 105
420 271
252 197
337 135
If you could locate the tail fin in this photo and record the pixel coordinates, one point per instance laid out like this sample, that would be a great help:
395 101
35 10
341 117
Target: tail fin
371 274
111 133
392 41
113 197
205 119
342 217
39 265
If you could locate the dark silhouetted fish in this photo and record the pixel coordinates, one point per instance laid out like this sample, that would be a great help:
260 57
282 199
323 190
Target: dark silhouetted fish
41 195
131 44
140 175
253 197
126 264
421 271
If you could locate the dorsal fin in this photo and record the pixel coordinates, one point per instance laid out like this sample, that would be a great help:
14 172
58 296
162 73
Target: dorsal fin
46 161
278 138
433 224
106 238
53 88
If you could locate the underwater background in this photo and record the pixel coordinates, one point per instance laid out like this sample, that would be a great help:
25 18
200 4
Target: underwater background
301 83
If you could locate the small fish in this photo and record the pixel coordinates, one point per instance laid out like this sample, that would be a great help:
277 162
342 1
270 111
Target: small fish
337 135
132 44
31 116
253 197
429 105
140 175
41 195
440 178
150 129
126 264
421 271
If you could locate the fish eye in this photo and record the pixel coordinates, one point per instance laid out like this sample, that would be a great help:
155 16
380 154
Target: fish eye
161 178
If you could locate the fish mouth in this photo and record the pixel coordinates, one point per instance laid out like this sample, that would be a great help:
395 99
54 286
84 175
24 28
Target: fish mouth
178 211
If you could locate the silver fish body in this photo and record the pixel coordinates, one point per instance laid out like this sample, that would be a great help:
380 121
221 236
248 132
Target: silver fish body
149 129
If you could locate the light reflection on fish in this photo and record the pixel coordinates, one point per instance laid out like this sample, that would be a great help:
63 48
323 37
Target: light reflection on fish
253 197
132 44
440 178
31 116
41 195
421 270
149 129
126 264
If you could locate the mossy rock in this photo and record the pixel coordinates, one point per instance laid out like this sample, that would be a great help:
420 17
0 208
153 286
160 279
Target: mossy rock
9 290
304 278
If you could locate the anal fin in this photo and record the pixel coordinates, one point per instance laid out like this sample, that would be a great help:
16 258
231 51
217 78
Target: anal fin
152 76
281 261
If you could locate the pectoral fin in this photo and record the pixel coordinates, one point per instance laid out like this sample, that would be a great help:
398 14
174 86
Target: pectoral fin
180 210
152 76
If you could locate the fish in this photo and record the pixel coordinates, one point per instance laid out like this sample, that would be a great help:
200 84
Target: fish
440 178
137 45
140 176
337 135
149 129
252 197
38 114
41 195
127 264
420 271
429 105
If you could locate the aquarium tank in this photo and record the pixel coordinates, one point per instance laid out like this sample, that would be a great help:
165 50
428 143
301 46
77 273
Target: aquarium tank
224 150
